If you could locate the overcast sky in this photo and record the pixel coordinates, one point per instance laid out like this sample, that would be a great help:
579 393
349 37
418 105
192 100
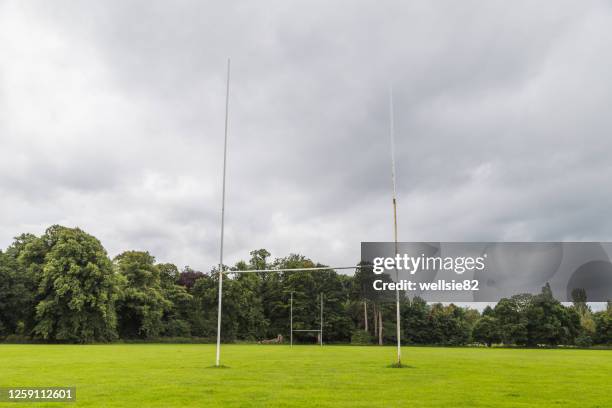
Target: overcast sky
111 119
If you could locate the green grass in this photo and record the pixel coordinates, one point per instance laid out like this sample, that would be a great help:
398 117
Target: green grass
170 375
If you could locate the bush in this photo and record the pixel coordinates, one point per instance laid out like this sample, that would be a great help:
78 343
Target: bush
584 340
177 328
18 339
361 337
170 340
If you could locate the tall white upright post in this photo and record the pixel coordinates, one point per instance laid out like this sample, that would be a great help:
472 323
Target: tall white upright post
291 319
218 360
397 295
321 332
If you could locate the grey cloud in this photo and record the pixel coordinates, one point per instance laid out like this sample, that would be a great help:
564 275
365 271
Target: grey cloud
112 119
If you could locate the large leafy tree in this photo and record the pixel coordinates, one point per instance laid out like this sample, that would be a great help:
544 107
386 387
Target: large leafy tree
549 322
449 325
17 289
11 295
259 259
168 274
188 277
603 324
76 288
378 306
204 295
307 288
25 270
415 321
512 319
241 316
176 316
486 331
142 304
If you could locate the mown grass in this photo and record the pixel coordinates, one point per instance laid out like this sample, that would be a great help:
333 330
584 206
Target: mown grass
172 375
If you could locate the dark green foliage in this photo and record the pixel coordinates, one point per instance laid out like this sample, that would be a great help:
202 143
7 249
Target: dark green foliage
488 311
177 315
176 320
76 288
448 325
536 320
62 287
248 307
204 307
487 331
143 303
587 324
361 337
15 294
168 274
512 319
549 322
242 309
416 321
603 324
584 340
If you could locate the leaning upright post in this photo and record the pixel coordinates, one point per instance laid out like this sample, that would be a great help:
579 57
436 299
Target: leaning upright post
218 361
397 296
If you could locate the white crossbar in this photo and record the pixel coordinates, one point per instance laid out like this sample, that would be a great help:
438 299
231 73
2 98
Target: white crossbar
323 268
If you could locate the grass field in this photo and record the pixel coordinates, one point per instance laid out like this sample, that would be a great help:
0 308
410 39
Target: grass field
155 375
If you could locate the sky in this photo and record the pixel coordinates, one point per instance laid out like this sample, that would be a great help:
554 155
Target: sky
112 115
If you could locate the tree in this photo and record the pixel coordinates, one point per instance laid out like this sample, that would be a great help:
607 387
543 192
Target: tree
26 269
249 311
142 304
587 324
204 307
486 331
363 292
380 302
243 311
9 303
415 321
603 327
176 316
17 290
258 259
549 322
579 298
188 277
488 311
510 314
306 288
168 274
242 318
76 286
448 325
62 287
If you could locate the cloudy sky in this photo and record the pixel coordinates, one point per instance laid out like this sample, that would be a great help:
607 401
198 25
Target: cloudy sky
111 119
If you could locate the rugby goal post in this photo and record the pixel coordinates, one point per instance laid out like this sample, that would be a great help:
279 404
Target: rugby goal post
320 330
221 267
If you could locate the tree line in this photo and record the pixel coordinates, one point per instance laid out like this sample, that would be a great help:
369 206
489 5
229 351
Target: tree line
63 287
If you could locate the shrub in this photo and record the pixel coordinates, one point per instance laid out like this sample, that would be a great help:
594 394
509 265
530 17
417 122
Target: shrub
361 337
584 340
177 328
